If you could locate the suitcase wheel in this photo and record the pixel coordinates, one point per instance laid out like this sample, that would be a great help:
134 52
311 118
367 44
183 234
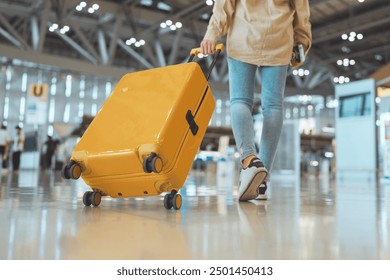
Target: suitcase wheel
92 198
173 199
71 171
152 164
177 201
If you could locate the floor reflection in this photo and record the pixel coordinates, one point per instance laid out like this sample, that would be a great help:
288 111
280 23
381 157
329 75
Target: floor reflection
42 217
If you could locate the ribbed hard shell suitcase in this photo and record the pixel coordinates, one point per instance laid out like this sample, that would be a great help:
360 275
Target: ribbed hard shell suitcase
145 137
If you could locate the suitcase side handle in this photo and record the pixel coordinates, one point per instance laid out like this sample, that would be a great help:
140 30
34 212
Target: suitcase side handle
194 52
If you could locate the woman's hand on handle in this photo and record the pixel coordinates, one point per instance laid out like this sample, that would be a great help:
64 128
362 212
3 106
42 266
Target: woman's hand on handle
207 47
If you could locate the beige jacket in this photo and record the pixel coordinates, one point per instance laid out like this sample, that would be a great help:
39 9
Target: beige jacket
261 32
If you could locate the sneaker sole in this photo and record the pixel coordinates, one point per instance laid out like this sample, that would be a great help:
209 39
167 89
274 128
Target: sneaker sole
251 191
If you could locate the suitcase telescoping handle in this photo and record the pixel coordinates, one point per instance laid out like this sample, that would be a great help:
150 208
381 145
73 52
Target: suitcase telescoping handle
194 52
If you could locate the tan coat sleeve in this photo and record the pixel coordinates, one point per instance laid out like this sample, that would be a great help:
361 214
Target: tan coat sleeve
302 26
220 20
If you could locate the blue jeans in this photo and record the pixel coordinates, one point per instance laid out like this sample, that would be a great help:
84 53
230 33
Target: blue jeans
241 83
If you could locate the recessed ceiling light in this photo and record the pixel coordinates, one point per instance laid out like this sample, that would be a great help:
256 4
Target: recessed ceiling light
378 57
345 49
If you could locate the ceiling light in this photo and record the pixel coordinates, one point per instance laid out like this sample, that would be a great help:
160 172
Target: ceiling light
163 6
134 41
378 57
147 2
301 72
328 129
205 16
169 23
305 98
346 62
63 29
91 9
209 2
54 26
341 80
352 36
332 103
345 49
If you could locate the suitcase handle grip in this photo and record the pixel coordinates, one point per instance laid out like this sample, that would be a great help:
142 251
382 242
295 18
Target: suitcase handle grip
194 52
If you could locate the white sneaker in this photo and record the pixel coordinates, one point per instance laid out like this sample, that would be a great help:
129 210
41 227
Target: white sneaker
262 192
250 180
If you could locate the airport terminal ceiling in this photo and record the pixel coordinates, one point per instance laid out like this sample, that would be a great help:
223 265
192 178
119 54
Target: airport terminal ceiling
351 38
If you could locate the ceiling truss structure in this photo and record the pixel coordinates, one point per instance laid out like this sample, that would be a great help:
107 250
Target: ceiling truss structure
96 42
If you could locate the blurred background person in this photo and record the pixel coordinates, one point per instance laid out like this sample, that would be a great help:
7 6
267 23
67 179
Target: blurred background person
4 146
18 148
51 146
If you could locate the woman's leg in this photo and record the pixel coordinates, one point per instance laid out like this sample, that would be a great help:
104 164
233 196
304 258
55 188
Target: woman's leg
273 81
253 173
241 86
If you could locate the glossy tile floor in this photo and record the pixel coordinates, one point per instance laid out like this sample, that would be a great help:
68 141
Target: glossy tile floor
42 217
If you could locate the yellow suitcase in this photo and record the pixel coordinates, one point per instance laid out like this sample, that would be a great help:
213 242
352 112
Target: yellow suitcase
145 137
